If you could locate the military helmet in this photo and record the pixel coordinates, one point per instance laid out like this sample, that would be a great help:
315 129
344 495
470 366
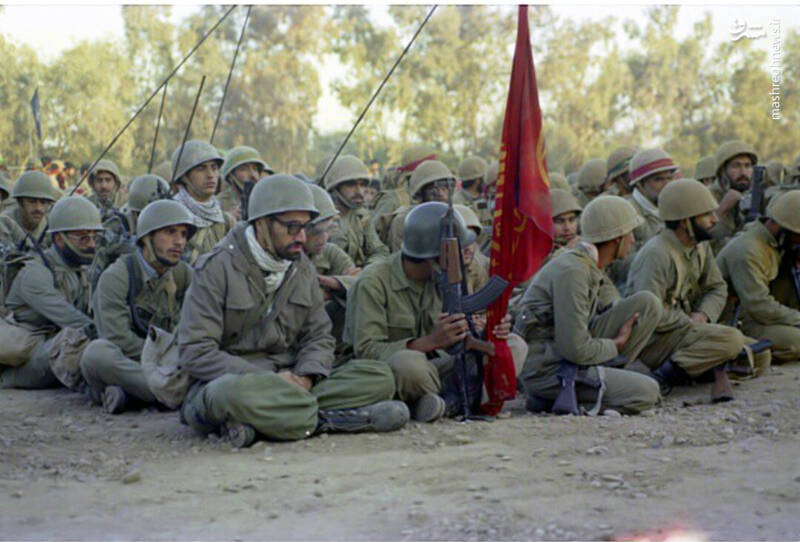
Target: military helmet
105 165
32 164
243 155
592 175
195 152
705 168
427 172
562 201
558 181
74 213
492 172
161 214
608 217
34 184
414 156
145 189
619 160
322 165
280 193
732 149
774 172
471 220
648 162
346 168
303 177
323 203
472 168
785 210
572 179
685 198
164 170
422 230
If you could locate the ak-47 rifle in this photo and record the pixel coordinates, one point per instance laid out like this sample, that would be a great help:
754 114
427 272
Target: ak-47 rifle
468 366
756 194
247 187
230 74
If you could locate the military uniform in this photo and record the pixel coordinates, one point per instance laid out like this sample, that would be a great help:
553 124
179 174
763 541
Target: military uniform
732 220
566 313
235 332
49 294
332 261
113 359
12 231
107 208
687 279
750 262
357 237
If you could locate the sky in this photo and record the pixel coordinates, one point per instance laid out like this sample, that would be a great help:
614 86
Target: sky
49 29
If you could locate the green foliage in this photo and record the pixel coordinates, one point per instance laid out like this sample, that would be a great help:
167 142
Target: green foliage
602 84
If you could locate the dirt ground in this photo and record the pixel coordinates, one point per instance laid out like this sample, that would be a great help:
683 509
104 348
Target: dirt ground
732 471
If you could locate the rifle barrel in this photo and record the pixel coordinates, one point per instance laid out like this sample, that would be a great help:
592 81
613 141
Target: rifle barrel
230 73
188 128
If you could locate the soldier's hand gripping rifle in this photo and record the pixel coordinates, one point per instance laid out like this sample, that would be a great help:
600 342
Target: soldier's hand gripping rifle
468 368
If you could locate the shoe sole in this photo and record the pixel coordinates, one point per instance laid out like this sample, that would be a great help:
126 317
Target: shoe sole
113 400
239 435
429 408
389 416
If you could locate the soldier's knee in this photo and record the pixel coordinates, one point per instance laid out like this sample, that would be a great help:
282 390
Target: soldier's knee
519 351
379 374
94 354
731 342
647 303
650 393
408 364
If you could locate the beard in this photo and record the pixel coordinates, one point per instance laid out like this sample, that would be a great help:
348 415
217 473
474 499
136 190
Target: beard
75 258
701 234
742 183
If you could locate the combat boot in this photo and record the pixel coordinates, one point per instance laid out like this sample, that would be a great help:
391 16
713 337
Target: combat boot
380 417
115 400
429 408
669 375
239 434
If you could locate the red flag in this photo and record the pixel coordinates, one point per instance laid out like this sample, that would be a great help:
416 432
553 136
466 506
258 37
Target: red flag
522 230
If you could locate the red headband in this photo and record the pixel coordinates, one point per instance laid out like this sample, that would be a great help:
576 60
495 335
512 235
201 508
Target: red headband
413 165
641 171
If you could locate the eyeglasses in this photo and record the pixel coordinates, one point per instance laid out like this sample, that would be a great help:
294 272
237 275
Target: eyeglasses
319 229
84 238
441 184
294 227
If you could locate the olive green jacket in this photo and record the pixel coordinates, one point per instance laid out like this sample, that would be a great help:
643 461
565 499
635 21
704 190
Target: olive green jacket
686 279
384 206
118 237
332 261
229 325
12 232
729 223
750 262
120 197
45 300
395 242
477 272
158 301
651 226
386 310
556 310
357 237
206 238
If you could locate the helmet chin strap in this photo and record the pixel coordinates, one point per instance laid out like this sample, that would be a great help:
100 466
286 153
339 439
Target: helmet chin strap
344 201
690 230
73 255
148 242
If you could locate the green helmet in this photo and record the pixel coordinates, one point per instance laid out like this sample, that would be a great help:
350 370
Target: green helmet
608 217
572 179
592 175
323 203
346 168
160 214
105 165
195 152
280 193
732 149
472 168
685 198
145 189
322 165
705 168
619 160
493 172
648 162
414 156
785 210
774 172
74 213
558 181
427 172
243 155
423 227
469 217
34 184
164 170
562 201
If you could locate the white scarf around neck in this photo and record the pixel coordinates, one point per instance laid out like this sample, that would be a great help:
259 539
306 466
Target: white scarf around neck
646 204
274 268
